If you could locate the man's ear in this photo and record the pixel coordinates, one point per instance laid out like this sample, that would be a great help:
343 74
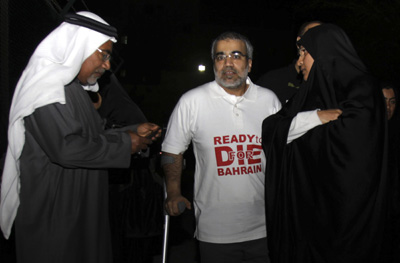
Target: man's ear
250 63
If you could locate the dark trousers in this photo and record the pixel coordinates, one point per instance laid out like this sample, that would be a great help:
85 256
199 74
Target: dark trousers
254 251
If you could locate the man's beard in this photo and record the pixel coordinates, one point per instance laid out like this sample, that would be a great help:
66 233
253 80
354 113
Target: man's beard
92 80
241 79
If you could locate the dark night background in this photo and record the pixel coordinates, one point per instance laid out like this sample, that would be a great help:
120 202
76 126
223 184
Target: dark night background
161 43
167 40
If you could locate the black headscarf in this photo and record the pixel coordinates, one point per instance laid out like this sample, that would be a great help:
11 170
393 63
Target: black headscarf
325 191
117 106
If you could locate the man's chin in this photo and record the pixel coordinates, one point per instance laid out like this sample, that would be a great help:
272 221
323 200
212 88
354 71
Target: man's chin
91 81
231 84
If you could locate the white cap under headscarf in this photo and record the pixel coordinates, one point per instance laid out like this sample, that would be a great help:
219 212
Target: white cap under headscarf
55 63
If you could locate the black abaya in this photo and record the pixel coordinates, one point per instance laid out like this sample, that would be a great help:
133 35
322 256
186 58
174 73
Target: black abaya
326 191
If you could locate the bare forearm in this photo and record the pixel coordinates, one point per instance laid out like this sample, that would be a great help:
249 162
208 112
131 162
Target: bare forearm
172 166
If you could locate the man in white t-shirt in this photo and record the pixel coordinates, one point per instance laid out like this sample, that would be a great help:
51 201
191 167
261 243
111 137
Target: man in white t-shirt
223 121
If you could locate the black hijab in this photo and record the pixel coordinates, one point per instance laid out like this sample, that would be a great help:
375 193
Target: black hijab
325 191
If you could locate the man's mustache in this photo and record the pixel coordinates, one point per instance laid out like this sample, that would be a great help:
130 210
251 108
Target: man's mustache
229 69
101 71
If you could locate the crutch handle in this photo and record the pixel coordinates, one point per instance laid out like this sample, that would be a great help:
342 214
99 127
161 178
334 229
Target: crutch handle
181 207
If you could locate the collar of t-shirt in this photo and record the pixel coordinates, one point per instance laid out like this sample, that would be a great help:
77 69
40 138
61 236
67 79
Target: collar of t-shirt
250 94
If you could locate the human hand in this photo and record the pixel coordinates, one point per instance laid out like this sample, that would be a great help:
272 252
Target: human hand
149 130
97 104
329 115
139 143
172 204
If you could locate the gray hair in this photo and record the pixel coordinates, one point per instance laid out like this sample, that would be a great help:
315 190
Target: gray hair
233 36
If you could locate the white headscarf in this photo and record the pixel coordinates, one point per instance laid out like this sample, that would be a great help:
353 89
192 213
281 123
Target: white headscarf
54 64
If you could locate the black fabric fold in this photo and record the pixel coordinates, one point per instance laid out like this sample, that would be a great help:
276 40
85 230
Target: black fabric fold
326 192
84 21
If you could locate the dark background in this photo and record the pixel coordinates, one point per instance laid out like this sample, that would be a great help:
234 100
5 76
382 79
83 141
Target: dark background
168 39
161 43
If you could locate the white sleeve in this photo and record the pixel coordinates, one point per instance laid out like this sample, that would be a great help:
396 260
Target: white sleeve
302 123
178 135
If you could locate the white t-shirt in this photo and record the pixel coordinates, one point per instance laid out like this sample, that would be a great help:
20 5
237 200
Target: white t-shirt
229 177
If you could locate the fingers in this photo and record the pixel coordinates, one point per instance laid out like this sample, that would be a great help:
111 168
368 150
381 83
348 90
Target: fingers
335 113
177 206
172 208
149 130
138 142
159 131
188 205
329 115
154 133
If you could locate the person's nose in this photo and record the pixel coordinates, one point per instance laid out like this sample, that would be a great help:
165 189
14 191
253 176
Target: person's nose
299 62
106 65
229 60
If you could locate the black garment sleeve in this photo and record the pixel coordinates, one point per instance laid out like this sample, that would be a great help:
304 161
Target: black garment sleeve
77 143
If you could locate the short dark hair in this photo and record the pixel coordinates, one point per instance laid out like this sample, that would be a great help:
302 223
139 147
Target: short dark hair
385 84
233 36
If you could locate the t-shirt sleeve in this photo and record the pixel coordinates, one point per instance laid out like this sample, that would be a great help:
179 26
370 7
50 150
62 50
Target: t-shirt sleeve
179 131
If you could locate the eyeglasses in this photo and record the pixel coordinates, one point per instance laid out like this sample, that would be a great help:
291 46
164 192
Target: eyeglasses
236 56
105 54
302 52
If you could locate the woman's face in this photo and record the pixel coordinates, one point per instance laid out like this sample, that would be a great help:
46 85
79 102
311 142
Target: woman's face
305 62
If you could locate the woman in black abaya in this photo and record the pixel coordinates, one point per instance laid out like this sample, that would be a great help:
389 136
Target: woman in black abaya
326 190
